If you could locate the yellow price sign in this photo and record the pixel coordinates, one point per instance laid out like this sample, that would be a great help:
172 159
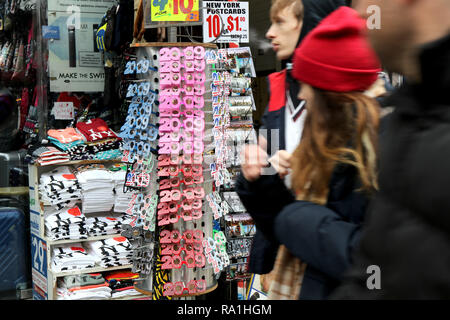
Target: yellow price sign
175 10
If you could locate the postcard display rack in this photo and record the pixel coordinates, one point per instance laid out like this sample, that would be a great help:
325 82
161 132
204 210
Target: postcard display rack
233 103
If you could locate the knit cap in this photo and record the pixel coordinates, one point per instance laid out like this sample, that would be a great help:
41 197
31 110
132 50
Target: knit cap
336 55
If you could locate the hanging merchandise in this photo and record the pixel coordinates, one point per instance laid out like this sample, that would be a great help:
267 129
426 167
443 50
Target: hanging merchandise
122 283
164 145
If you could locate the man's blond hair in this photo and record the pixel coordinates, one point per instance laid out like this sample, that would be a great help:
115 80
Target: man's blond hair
278 5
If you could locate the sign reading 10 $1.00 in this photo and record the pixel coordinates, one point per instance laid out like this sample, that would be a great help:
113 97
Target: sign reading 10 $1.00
225 22
175 10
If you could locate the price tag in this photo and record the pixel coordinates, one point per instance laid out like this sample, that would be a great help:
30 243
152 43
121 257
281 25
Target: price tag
175 10
225 22
39 268
63 110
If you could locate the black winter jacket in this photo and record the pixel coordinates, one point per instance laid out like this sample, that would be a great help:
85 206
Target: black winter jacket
407 233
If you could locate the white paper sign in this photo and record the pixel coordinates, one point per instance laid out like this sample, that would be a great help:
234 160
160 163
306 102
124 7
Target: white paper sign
80 6
225 22
63 110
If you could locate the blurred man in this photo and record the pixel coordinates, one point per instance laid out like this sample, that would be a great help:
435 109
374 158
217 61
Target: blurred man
405 248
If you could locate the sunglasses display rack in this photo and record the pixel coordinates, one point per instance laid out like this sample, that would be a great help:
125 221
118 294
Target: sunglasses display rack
166 147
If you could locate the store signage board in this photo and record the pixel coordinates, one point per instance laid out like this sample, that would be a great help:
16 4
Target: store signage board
39 268
226 22
81 6
75 64
172 13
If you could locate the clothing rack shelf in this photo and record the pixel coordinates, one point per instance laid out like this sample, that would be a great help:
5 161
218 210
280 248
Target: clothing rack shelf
48 278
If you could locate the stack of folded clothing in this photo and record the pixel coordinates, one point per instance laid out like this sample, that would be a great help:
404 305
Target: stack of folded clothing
83 287
47 155
106 225
122 283
100 138
70 141
112 252
65 224
60 187
121 199
72 257
108 155
97 188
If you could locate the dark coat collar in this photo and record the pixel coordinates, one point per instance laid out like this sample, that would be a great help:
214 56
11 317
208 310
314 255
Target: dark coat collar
435 69
432 94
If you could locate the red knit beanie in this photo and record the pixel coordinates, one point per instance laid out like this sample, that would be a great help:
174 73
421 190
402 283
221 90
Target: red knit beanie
336 56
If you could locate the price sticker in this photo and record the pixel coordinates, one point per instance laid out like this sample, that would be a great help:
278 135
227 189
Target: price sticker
225 22
175 10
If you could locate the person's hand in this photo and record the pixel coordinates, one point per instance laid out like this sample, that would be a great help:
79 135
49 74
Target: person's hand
254 159
281 162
